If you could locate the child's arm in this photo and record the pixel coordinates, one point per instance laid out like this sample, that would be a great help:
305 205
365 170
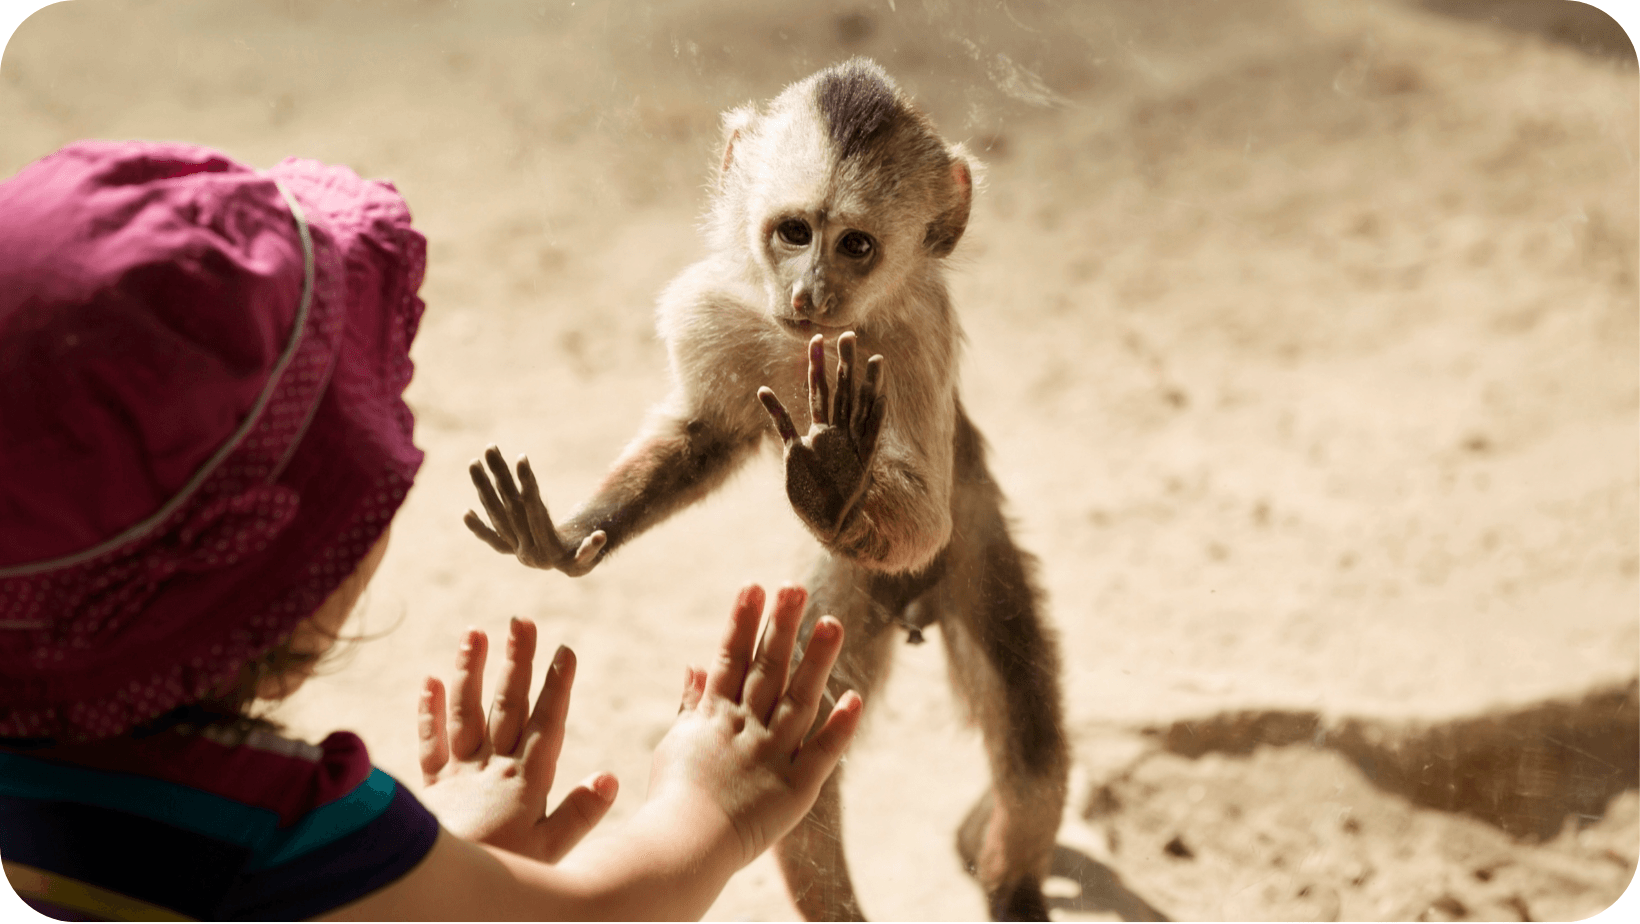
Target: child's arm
732 776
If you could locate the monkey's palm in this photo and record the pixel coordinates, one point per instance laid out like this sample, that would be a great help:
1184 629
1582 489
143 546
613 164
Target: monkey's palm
829 468
522 526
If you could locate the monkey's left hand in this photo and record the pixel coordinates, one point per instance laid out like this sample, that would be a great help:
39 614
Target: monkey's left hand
522 525
828 469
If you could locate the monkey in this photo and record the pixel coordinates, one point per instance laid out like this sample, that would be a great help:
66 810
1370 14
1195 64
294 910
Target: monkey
834 209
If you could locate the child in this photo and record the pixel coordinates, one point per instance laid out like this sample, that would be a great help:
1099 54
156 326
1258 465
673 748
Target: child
202 445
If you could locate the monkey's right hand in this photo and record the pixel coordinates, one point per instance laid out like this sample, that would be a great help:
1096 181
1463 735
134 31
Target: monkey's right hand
522 526
829 468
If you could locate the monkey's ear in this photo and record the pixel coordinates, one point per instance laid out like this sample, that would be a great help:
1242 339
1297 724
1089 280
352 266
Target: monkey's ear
946 229
734 122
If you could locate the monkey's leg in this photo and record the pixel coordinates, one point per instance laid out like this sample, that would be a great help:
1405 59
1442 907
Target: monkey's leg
1005 662
811 859
811 856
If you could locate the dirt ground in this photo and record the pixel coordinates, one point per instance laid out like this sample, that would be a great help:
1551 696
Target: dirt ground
1304 333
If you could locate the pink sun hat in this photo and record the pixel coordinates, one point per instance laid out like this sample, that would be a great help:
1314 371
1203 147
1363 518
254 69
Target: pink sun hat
202 429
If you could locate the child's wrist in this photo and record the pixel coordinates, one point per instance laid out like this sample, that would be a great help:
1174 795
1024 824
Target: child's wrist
697 823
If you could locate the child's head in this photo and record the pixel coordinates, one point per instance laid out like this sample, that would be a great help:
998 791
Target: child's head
202 435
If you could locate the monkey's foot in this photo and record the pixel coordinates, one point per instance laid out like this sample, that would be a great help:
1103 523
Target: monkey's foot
1016 898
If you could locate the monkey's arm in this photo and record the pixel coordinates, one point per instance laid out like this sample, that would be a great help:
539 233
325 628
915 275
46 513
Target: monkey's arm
670 466
881 509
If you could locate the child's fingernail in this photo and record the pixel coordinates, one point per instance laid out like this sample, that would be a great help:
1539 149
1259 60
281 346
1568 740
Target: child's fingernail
606 786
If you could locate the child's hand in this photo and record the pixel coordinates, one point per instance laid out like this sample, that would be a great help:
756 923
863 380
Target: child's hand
488 781
736 752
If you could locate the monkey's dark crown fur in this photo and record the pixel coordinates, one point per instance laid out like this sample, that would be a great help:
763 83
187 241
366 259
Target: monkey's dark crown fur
857 100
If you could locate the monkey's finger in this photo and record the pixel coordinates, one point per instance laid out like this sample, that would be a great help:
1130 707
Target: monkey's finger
727 676
492 503
782 420
843 410
433 741
536 516
873 405
771 660
794 714
870 430
467 731
819 393
589 548
512 502
511 705
479 529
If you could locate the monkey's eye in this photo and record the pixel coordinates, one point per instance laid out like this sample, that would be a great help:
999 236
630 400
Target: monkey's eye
854 244
794 232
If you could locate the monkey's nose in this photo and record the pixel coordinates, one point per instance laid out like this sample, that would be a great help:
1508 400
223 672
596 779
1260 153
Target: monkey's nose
810 299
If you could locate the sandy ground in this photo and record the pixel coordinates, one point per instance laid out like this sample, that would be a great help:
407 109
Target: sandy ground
1305 335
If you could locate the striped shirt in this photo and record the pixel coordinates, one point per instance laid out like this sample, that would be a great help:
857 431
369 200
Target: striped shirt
202 826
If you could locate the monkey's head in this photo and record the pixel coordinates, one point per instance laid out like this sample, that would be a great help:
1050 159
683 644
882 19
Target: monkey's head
838 196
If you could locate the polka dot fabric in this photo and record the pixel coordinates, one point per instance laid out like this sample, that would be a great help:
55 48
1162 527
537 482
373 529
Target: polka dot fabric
156 291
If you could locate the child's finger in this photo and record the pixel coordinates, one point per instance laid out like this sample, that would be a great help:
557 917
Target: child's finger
467 732
512 699
434 744
694 686
794 714
544 733
767 677
728 673
820 754
576 816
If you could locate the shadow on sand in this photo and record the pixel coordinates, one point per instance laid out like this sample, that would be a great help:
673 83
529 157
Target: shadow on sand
1101 890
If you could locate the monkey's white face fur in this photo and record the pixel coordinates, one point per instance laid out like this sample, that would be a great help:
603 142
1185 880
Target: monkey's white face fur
838 196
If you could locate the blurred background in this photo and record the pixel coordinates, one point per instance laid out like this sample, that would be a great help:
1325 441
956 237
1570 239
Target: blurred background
1304 333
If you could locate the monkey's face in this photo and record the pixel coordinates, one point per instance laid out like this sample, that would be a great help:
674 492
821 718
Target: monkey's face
834 262
819 263
835 242
843 197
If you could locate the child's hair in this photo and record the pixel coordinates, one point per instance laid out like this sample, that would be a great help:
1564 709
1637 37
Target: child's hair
238 707
234 707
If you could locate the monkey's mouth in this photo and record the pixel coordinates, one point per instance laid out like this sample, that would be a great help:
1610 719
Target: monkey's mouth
806 329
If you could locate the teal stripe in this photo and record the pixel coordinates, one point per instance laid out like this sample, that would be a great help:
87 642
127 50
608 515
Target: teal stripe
181 806
218 817
331 821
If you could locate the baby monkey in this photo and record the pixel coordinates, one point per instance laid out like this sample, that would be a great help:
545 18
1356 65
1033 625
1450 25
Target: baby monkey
834 209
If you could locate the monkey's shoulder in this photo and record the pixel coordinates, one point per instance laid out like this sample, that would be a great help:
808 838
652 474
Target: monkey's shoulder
711 306
705 295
